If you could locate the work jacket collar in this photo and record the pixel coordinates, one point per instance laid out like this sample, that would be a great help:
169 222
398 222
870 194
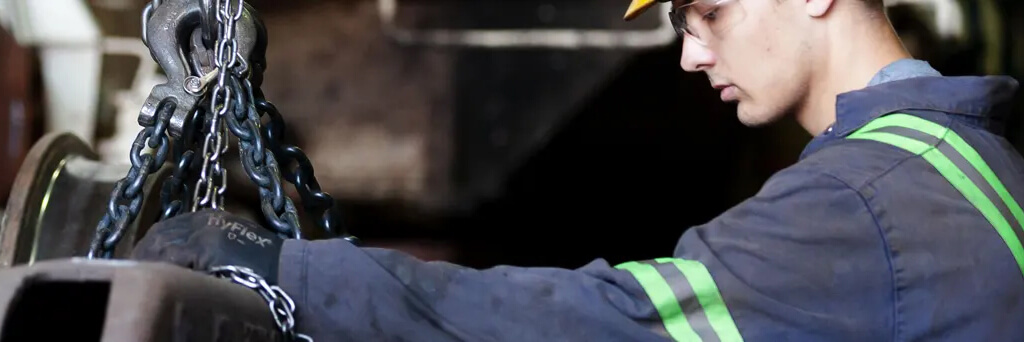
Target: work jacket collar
983 101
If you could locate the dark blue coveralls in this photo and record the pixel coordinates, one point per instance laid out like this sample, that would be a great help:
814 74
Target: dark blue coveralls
901 223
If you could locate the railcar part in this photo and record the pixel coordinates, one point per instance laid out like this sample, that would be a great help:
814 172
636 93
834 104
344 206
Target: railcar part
114 301
59 194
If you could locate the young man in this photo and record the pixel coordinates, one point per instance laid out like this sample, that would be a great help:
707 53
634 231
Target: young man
900 222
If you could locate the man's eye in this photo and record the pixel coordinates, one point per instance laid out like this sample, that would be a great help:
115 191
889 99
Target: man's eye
711 15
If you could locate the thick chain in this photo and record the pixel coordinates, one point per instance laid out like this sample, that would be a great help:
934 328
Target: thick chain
318 204
260 163
128 190
175 192
147 13
282 307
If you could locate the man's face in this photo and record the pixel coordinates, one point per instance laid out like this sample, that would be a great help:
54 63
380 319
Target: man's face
753 51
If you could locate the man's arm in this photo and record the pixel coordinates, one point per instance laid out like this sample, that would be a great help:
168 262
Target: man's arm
347 293
802 260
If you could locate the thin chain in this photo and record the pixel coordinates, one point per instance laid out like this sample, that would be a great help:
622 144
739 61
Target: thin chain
212 183
282 307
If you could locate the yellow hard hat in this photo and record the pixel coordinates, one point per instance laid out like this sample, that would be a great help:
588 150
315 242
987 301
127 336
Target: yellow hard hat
638 7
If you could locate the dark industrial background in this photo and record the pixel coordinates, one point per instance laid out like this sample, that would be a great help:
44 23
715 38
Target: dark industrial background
522 156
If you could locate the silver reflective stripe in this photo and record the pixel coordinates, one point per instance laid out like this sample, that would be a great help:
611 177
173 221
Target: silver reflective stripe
969 170
687 300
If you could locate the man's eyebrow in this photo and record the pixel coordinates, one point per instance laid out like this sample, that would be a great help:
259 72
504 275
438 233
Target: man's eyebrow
677 3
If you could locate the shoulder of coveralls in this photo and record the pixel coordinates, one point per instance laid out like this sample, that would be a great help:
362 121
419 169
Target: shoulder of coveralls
842 170
802 260
980 103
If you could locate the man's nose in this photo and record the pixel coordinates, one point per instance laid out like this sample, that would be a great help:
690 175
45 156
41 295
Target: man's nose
696 57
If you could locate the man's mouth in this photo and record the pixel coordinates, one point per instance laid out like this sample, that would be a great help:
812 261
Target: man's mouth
728 92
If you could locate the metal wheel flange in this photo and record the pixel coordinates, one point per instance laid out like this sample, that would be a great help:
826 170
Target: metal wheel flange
59 195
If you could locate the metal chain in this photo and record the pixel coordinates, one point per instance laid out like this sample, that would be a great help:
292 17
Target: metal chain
147 13
232 93
318 204
282 307
175 194
233 103
260 163
212 183
128 190
228 96
231 108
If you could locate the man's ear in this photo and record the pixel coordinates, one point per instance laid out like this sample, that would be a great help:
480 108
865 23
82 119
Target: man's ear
818 8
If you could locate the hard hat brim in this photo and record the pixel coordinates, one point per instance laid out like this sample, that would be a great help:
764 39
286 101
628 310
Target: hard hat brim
638 7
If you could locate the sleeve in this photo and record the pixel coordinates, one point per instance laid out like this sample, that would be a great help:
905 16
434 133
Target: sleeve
790 264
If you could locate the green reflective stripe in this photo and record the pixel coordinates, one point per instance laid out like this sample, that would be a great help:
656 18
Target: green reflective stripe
908 121
974 158
958 179
709 297
911 145
664 301
958 143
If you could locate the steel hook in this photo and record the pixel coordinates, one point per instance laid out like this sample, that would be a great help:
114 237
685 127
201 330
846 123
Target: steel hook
170 33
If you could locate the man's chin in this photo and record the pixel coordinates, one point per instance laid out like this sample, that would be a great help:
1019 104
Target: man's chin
753 118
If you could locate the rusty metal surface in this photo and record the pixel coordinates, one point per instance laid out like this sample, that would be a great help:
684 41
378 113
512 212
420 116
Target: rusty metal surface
17 108
147 302
59 195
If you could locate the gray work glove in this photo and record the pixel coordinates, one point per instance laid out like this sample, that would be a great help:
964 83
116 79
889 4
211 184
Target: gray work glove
209 238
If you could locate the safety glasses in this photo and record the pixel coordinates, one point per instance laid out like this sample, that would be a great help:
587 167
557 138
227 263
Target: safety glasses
705 20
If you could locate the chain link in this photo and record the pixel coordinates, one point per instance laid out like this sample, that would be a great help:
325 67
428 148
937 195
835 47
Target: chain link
282 307
298 170
128 190
147 13
212 183
125 201
175 194
260 164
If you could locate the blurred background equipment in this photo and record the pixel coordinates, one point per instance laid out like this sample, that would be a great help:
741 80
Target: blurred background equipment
469 130
67 42
520 24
